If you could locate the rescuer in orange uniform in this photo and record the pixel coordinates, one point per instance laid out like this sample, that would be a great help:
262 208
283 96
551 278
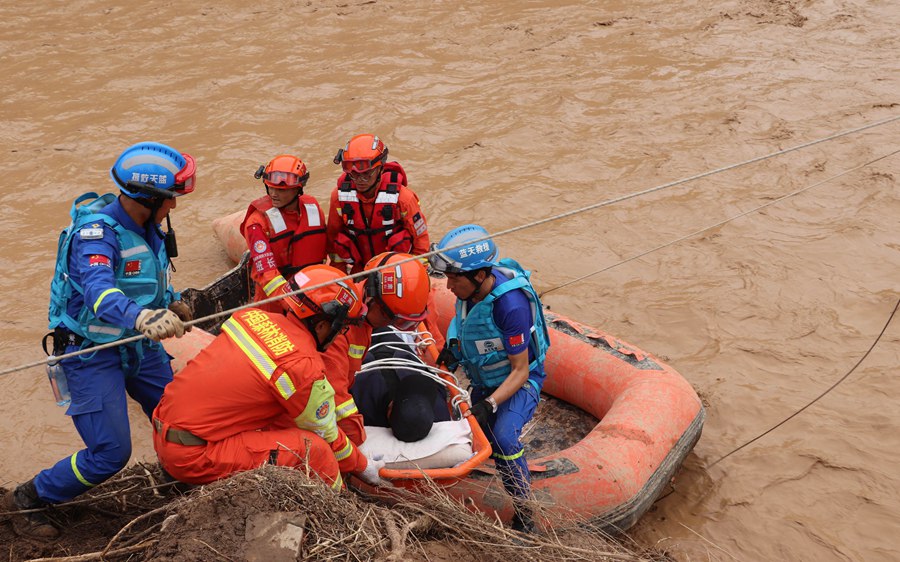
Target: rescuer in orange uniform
284 229
258 393
372 210
395 296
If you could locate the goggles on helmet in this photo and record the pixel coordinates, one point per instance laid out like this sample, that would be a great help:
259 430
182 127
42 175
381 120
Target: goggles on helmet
287 179
184 179
441 264
359 166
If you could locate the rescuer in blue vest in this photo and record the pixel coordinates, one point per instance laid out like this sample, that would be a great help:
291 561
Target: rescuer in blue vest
111 282
499 337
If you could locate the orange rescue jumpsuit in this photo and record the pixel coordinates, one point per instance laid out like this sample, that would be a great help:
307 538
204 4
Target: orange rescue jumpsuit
343 359
257 394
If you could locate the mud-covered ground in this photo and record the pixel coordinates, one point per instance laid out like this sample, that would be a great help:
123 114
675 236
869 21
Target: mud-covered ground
275 514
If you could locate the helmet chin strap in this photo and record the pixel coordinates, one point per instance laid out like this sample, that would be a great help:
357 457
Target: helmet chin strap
154 204
470 275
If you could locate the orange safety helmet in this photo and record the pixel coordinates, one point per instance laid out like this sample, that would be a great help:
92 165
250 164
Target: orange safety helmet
283 172
402 290
361 154
327 299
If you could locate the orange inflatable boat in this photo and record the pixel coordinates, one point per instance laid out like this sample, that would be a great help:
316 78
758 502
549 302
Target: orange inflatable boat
647 419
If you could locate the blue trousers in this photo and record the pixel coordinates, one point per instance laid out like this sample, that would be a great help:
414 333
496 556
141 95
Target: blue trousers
98 383
504 433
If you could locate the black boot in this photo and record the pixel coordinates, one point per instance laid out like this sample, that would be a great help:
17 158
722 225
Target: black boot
36 524
523 520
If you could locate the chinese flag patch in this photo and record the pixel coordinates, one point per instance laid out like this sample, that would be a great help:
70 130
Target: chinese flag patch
98 260
132 268
517 339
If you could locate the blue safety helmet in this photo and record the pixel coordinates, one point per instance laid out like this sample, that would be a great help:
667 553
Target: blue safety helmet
155 165
479 253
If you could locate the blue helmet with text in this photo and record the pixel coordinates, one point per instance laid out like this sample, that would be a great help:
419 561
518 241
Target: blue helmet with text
147 167
465 248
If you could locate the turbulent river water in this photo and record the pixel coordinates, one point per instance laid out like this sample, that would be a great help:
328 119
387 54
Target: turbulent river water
505 113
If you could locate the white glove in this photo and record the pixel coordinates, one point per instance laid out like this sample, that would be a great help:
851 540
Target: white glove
159 324
370 474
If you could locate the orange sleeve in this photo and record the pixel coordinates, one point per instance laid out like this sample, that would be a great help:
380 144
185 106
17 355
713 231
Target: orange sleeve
263 266
337 370
414 220
311 402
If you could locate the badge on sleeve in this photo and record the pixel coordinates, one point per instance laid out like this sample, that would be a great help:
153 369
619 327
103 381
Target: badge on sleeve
93 232
98 260
518 339
419 224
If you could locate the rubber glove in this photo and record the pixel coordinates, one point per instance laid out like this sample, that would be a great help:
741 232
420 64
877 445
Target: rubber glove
370 474
159 324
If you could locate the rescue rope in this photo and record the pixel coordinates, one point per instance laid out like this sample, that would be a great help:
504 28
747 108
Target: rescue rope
501 233
716 225
423 339
817 398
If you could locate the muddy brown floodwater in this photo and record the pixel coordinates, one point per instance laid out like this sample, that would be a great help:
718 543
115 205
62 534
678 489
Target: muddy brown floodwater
504 113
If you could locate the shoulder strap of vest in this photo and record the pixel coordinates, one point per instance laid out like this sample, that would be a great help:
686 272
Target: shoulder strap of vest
398 174
344 183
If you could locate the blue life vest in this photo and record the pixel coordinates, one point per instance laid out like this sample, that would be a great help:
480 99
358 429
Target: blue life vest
144 284
480 342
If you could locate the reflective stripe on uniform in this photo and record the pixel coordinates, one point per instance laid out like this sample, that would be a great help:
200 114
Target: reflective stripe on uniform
356 351
251 349
112 331
346 409
274 284
141 249
348 196
276 220
385 197
345 451
78 473
285 386
312 214
338 483
103 295
509 457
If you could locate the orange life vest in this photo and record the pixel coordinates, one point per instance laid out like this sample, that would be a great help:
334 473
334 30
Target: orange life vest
295 245
383 230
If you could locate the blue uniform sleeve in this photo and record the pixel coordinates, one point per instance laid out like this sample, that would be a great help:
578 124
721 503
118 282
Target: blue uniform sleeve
96 258
512 314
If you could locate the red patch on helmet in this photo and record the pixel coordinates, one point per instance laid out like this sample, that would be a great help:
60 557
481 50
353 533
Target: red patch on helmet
388 283
98 260
345 297
322 410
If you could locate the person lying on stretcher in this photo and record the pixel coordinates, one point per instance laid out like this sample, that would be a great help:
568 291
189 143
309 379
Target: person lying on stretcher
402 399
408 421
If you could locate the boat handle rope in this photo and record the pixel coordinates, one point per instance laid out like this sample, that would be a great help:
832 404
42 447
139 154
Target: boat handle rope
498 234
